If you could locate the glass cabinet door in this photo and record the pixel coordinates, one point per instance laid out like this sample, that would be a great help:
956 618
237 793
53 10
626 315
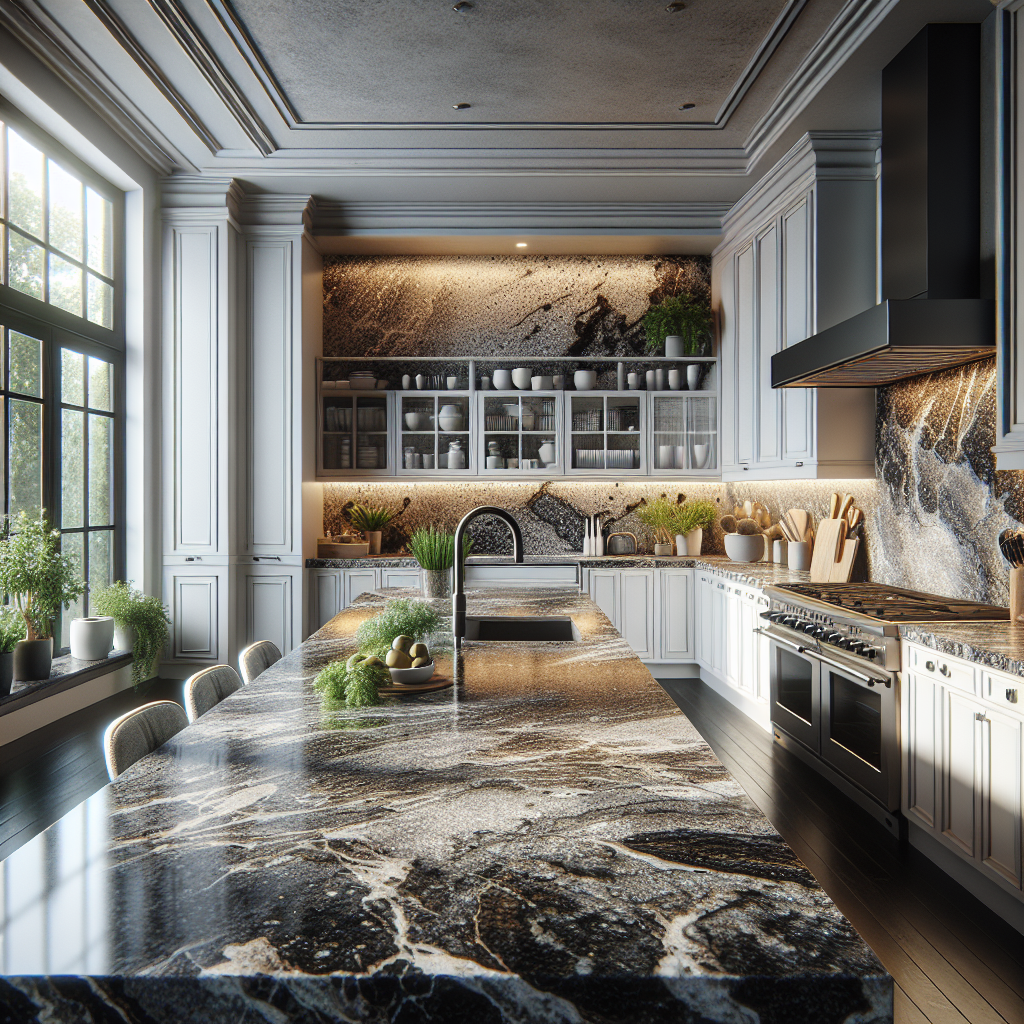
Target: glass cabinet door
434 433
605 433
684 434
354 433
520 432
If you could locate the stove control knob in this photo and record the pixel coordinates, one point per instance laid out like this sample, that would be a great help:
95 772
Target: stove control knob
870 652
832 638
811 628
847 643
857 646
776 616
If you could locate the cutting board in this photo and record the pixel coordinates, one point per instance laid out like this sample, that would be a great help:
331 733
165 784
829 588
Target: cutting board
843 569
823 559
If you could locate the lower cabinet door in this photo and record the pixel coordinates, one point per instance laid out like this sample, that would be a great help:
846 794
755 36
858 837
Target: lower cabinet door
733 636
194 614
604 592
268 610
718 627
677 615
960 762
325 597
746 679
636 611
358 581
1001 796
921 778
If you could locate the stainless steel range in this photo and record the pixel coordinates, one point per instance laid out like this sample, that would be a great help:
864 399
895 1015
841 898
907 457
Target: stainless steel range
835 685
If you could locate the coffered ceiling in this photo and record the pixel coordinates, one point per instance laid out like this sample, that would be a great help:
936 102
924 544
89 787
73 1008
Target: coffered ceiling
515 101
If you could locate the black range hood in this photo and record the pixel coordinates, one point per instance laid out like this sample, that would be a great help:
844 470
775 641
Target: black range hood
932 316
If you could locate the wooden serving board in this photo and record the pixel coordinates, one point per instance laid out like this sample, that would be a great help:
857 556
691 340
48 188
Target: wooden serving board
398 689
843 569
824 555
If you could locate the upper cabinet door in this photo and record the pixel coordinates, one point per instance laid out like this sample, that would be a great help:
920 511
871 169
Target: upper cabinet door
797 298
745 373
769 433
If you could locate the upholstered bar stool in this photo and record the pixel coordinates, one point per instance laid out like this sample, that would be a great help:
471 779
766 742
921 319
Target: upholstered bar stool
208 688
132 736
257 658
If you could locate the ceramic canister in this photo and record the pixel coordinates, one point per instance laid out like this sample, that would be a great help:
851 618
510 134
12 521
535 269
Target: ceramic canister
675 379
502 380
650 380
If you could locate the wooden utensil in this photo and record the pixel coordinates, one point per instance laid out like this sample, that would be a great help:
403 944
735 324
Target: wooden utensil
856 517
800 523
845 504
823 558
833 505
1011 544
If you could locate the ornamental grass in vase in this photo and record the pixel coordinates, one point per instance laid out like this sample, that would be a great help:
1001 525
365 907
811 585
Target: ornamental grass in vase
435 551
370 521
141 625
692 518
40 581
659 516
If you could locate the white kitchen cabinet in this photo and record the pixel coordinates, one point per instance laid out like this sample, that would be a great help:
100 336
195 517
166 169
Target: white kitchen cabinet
326 596
1000 795
718 626
523 575
400 578
922 713
960 764
603 587
675 615
798 256
358 581
627 597
268 607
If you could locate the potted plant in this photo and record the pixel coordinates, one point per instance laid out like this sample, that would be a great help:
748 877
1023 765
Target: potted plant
435 551
39 581
692 518
12 630
370 521
141 625
659 517
680 323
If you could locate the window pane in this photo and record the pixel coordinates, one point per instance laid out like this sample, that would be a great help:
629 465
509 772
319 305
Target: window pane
26 184
26 456
101 302
24 265
100 372
72 468
100 475
26 364
65 224
101 231
72 544
72 377
65 285
101 559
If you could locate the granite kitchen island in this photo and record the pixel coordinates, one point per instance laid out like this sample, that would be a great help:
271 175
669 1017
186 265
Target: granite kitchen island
550 840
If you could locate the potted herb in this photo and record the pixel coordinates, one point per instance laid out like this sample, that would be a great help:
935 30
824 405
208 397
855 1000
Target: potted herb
39 581
659 517
435 551
682 324
141 625
12 630
692 518
370 521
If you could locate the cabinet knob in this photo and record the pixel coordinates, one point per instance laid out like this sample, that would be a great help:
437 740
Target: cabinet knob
944 670
930 665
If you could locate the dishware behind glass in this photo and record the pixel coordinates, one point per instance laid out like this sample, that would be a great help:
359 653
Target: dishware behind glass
414 420
502 380
511 463
428 461
700 455
494 462
634 381
679 459
666 453
453 383
675 379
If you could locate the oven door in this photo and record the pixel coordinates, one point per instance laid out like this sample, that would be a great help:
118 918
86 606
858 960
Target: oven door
859 734
796 698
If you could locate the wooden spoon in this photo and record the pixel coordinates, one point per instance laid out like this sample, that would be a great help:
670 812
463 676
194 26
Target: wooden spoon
833 505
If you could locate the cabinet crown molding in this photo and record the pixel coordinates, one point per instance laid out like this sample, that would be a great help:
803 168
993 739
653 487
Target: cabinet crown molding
200 192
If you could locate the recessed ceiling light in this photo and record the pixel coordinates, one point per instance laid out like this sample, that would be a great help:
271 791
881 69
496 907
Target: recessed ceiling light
675 8
460 106
520 245
462 6
688 106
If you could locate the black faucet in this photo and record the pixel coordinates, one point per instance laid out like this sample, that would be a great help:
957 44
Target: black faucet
459 591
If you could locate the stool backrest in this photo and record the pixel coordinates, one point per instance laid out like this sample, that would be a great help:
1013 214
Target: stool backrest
140 732
257 658
208 688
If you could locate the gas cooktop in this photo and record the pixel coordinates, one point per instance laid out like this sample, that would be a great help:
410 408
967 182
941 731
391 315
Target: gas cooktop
888 604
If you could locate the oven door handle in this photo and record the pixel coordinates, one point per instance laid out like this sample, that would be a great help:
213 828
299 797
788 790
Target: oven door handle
870 680
782 640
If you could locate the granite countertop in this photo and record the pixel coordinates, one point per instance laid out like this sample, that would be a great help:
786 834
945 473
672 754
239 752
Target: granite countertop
757 574
548 841
998 645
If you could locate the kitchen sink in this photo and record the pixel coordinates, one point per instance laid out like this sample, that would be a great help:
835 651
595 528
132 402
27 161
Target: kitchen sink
521 628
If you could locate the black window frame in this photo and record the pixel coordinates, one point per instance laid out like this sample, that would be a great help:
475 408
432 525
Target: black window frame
58 329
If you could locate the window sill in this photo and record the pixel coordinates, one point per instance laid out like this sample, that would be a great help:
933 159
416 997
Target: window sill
65 673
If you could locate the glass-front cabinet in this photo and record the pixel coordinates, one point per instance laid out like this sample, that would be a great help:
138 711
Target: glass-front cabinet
684 433
519 432
435 433
605 433
354 431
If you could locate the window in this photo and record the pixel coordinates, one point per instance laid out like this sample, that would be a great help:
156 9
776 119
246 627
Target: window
62 354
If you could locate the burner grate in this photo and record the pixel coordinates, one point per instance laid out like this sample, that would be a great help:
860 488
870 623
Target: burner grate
893 604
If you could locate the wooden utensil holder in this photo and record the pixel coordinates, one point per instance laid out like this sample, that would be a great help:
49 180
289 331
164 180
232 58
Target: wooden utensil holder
1016 595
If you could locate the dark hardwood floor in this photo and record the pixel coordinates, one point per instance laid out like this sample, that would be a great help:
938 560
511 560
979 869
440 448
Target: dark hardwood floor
45 774
953 960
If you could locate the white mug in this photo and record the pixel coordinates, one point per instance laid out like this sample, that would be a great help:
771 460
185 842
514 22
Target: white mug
453 383
428 461
512 464
798 555
485 383
494 462
633 380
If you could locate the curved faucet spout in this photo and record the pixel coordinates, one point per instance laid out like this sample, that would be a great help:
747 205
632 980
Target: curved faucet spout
459 590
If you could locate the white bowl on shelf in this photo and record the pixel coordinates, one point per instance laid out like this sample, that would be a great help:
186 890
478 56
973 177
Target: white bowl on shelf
541 383
414 420
411 676
521 376
585 380
744 548
501 380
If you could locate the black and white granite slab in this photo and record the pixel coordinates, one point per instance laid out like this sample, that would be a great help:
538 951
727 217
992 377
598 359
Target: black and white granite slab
997 645
548 841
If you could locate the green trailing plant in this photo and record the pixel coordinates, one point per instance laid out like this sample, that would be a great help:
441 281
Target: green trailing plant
12 629
37 577
404 616
659 516
435 549
355 687
132 609
369 518
693 515
689 318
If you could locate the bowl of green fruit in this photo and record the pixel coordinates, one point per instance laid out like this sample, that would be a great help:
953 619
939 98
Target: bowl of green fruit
409 662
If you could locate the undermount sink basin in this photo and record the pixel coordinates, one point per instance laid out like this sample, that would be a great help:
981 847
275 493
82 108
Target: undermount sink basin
521 628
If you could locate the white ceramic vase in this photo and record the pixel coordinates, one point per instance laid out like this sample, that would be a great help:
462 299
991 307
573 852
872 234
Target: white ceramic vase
693 539
693 372
124 638
450 418
673 347
92 637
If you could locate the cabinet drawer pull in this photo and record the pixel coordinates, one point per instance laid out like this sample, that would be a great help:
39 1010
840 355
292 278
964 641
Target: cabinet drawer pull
721 586
980 716
930 665
944 670
1011 695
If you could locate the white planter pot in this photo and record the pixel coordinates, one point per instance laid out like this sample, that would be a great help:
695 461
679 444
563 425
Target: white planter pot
674 347
693 372
692 542
92 637
124 638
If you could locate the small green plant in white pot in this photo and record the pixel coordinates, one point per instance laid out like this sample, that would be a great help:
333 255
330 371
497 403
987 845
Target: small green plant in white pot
682 324
39 581
692 518
141 625
371 521
12 630
659 517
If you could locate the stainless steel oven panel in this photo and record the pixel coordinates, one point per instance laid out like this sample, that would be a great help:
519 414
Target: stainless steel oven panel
860 730
795 691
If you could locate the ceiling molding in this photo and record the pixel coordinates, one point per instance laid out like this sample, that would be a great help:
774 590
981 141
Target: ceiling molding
528 218
36 31
191 40
131 46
